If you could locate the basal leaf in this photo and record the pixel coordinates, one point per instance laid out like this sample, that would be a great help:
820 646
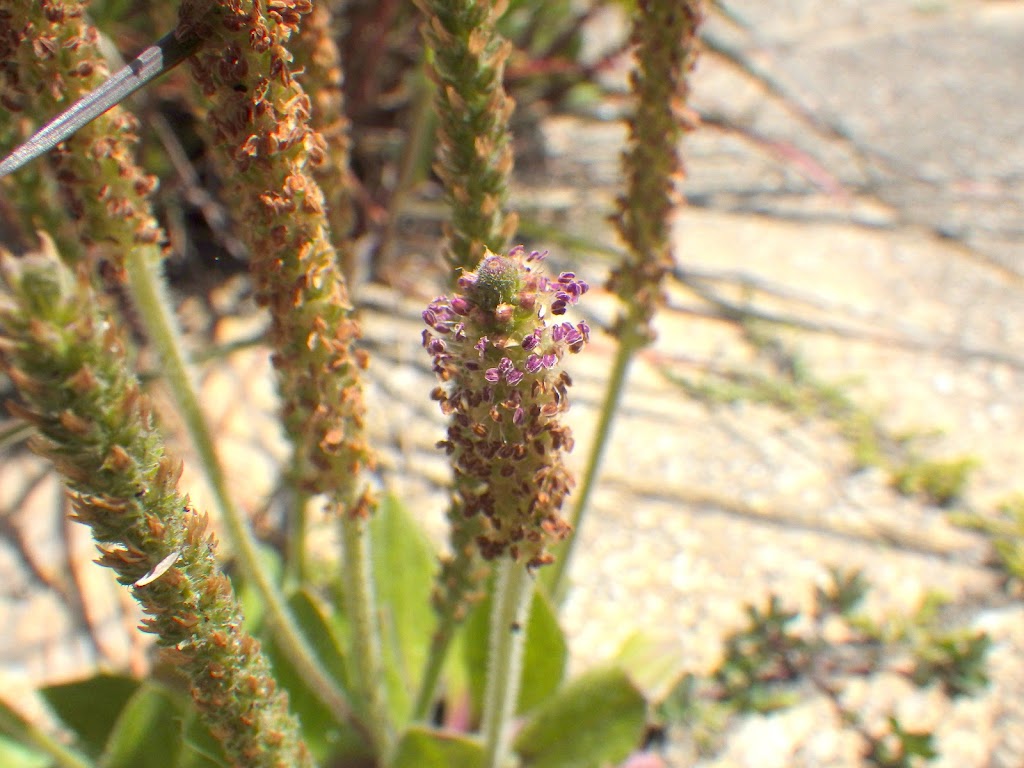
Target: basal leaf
424 748
91 707
403 565
596 720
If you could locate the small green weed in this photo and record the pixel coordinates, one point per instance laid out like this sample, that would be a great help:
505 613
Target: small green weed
941 481
766 662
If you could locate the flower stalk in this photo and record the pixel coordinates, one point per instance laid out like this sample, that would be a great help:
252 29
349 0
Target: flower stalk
474 153
360 608
53 58
317 54
67 361
109 202
497 347
665 36
260 120
512 592
474 161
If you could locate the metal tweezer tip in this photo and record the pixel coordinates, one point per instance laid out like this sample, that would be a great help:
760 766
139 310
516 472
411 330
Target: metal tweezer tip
164 55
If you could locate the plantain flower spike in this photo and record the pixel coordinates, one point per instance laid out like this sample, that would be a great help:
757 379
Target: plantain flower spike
68 363
666 39
497 348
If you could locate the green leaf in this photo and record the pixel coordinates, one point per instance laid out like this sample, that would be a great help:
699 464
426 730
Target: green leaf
403 569
147 733
91 707
544 656
15 736
322 734
423 748
655 666
16 755
603 712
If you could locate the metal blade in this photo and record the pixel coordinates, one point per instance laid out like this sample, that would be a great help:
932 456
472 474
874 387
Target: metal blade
164 55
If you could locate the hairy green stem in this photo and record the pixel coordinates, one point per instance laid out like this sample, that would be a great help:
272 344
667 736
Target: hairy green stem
436 655
511 600
296 568
360 608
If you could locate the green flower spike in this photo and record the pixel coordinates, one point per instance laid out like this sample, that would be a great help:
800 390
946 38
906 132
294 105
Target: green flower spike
474 149
259 117
665 34
93 422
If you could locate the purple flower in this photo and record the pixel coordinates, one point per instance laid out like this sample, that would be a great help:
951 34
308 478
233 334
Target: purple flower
514 304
